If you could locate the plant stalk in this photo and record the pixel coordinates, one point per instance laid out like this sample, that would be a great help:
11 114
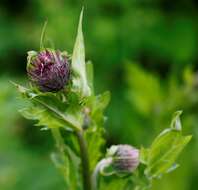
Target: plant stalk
96 174
85 161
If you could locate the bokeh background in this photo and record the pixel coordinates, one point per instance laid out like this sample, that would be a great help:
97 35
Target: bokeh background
144 51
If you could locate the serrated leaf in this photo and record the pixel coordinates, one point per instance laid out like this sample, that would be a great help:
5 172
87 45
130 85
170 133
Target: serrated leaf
95 133
95 143
99 104
49 110
102 100
79 79
165 149
44 117
67 162
164 152
74 175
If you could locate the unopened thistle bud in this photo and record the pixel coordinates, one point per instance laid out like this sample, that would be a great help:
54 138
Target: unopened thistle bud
120 159
125 158
48 69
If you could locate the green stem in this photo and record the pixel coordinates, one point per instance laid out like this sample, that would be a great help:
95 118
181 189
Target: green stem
99 167
85 161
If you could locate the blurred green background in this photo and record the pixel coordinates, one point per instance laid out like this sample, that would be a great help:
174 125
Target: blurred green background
144 51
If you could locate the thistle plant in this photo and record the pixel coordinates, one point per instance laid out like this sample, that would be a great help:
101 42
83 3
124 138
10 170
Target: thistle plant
61 99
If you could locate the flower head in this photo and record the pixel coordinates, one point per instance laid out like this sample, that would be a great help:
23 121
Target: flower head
48 69
125 158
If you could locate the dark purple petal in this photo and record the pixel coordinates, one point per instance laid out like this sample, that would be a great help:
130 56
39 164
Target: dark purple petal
49 70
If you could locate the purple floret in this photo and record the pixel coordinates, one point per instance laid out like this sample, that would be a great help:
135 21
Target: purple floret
49 70
126 158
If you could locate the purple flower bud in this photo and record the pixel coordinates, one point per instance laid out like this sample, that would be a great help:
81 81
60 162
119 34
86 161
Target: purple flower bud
125 158
49 70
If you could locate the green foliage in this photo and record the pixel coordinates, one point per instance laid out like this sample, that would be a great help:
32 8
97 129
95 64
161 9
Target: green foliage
52 113
157 160
177 93
67 162
49 110
146 101
95 134
113 183
19 155
160 36
77 111
80 83
160 157
95 144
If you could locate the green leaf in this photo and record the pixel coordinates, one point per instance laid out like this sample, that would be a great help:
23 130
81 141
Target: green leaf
176 123
113 182
144 155
164 152
95 143
188 76
43 116
49 110
103 100
95 132
90 75
99 103
67 162
79 79
165 149
145 91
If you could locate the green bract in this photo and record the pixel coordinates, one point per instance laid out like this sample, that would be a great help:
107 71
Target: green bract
80 83
125 158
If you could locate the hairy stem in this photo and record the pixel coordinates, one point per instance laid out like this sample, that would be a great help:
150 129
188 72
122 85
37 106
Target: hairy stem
96 174
85 161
